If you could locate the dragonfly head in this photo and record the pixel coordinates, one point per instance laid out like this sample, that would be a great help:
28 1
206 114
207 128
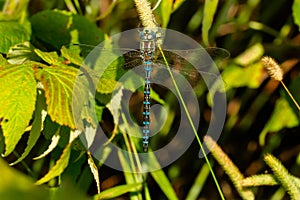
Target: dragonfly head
147 34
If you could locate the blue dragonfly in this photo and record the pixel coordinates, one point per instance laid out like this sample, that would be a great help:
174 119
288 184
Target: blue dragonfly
192 63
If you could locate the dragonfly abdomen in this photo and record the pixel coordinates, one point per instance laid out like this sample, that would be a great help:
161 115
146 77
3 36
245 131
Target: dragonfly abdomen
147 48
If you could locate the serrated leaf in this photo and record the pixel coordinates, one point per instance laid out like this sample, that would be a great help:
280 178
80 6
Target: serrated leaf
94 171
210 7
17 102
296 12
120 190
59 166
58 82
54 142
12 33
20 53
37 126
72 54
49 57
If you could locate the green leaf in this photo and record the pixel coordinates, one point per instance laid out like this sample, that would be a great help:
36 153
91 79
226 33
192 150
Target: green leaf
21 53
15 185
37 126
49 57
166 11
210 7
54 142
59 166
235 76
120 190
161 179
164 184
252 54
3 61
12 33
106 86
296 12
72 54
17 102
60 25
67 190
177 4
114 105
277 122
14 10
58 83
199 182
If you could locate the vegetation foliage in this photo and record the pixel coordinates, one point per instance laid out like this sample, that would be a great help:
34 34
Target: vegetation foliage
39 141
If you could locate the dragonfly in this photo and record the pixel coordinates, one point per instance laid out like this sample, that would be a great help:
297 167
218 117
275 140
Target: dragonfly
192 63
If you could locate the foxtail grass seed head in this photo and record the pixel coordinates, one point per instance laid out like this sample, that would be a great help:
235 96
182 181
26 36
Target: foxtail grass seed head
272 68
145 13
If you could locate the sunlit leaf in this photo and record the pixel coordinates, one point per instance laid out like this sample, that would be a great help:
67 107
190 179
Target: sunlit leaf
196 20
58 82
53 144
59 166
37 126
17 102
120 190
296 12
114 105
3 61
277 122
251 55
210 8
198 183
94 171
21 53
177 4
12 33
72 54
106 86
252 76
166 10
49 57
